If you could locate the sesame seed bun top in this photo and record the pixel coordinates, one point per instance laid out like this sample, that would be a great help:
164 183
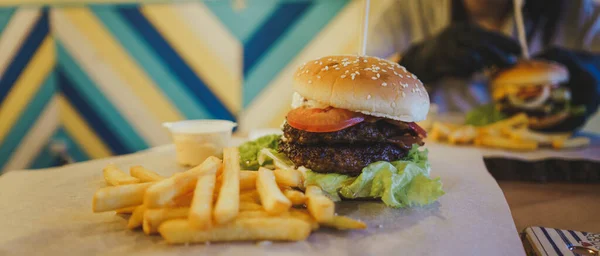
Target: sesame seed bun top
531 73
364 84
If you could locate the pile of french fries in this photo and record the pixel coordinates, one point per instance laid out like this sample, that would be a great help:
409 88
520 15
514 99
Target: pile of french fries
216 201
511 134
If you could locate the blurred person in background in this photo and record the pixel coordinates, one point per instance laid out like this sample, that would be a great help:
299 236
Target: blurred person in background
449 43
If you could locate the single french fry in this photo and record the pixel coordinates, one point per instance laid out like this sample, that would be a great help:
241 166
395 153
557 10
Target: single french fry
154 217
144 175
126 210
295 196
571 143
228 202
499 142
344 223
202 203
115 177
441 130
304 215
250 206
248 180
165 191
250 196
245 229
137 218
271 197
319 205
117 197
465 134
290 178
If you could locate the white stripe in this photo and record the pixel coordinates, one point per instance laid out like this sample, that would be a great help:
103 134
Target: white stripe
560 243
220 40
115 89
14 33
278 94
36 139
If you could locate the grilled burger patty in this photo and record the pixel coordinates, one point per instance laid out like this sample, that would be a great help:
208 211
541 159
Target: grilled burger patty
365 132
341 158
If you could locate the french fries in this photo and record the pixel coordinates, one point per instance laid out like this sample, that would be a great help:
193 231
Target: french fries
115 177
271 197
571 143
227 206
126 210
290 178
144 175
295 196
137 217
164 191
208 203
319 206
154 217
344 223
245 229
202 203
248 180
114 198
511 134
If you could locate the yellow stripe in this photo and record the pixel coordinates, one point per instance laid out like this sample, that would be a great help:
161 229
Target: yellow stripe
197 54
80 130
26 86
110 51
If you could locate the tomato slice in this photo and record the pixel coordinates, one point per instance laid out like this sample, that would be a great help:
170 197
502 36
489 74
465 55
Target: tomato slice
323 119
418 129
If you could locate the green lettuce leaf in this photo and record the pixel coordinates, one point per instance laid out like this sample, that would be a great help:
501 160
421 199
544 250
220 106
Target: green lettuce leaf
249 150
484 115
279 160
399 184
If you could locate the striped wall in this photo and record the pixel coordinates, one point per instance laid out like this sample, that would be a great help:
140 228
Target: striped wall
98 80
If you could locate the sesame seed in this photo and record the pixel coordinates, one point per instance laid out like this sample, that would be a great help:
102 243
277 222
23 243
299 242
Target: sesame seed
365 61
345 59
309 81
401 76
326 67
329 59
337 68
395 73
404 85
384 71
343 76
347 71
383 64
378 75
316 61
318 77
368 69
353 76
403 94
374 78
384 84
390 68
368 96
320 63
358 73
413 76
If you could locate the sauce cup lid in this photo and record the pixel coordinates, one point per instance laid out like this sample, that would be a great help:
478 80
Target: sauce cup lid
200 126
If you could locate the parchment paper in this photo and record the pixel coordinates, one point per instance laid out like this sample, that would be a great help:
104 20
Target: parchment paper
48 212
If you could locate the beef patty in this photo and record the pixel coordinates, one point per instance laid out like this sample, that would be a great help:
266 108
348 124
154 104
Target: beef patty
365 132
341 158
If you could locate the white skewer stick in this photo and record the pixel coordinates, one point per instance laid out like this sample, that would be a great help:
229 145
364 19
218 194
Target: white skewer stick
365 28
518 4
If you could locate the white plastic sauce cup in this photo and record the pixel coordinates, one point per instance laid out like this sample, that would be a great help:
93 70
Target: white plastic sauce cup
196 140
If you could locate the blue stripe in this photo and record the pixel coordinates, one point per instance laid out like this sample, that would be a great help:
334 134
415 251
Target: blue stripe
27 119
574 234
44 159
558 252
24 54
540 241
174 62
73 148
242 23
564 238
67 88
288 47
284 17
5 14
179 94
98 101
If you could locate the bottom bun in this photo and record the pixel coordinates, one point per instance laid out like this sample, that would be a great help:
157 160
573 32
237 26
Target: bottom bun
547 122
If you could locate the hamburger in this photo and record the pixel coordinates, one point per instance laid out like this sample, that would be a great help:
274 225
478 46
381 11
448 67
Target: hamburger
353 115
534 87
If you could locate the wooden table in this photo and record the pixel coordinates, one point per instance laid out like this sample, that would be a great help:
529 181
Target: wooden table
562 206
